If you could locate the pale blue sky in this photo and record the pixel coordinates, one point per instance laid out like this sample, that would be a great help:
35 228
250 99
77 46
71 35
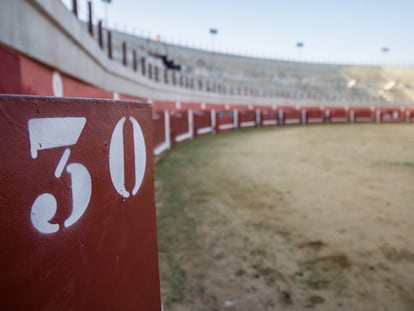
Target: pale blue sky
332 31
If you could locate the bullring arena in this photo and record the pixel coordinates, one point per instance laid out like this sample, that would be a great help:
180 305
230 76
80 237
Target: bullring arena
138 176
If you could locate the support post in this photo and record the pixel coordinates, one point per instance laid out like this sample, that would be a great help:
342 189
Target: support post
90 25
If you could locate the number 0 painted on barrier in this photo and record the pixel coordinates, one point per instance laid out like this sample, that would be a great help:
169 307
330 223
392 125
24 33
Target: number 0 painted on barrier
117 158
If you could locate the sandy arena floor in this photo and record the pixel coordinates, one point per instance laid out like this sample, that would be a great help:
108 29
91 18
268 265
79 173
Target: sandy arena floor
296 218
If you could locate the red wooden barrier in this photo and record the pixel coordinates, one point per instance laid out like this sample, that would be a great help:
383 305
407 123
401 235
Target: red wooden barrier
389 115
202 123
77 220
247 118
361 114
313 115
181 127
161 125
409 114
224 120
336 114
269 117
161 105
290 115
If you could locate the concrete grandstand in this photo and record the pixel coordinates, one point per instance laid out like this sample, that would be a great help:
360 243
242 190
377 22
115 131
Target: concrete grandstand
288 80
175 72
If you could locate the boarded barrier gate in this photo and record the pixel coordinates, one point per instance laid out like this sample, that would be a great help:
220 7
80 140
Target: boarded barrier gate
77 215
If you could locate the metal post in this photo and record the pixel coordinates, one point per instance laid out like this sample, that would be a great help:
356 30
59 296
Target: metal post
143 66
75 7
90 25
100 35
109 34
134 60
124 56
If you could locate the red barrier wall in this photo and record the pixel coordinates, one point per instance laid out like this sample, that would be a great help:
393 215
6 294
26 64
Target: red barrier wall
269 117
160 105
179 126
247 118
336 114
10 77
224 120
77 223
409 114
390 115
158 121
22 75
202 122
362 114
314 114
291 115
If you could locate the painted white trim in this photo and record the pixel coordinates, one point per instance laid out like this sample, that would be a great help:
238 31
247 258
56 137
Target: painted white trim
213 119
167 143
269 122
258 117
235 118
315 120
182 137
303 114
57 84
191 122
226 126
292 121
352 116
280 114
204 130
339 119
161 148
190 133
247 124
363 119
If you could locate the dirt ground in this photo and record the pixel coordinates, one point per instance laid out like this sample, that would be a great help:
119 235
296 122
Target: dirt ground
289 218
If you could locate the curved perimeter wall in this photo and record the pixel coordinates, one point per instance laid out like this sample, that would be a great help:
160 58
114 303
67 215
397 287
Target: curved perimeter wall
81 257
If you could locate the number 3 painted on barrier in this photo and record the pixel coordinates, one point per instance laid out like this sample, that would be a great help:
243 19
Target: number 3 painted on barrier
48 133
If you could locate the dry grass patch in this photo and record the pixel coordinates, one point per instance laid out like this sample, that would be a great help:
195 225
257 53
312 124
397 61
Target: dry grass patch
289 219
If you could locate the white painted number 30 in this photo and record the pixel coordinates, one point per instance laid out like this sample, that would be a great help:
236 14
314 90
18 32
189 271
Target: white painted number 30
48 133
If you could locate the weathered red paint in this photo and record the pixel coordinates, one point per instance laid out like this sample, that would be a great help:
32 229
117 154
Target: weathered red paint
409 115
390 115
190 105
22 75
160 105
224 120
291 115
10 76
314 115
158 121
268 117
107 260
336 114
246 118
179 126
363 114
202 122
